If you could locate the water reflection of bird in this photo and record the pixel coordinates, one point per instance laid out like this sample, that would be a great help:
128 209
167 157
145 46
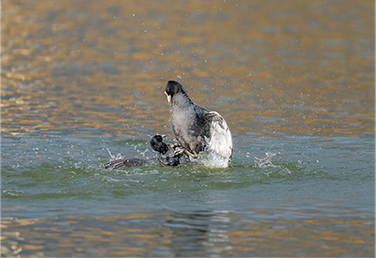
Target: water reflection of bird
169 155
191 124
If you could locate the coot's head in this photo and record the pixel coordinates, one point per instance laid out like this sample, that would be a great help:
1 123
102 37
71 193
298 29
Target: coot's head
173 88
157 144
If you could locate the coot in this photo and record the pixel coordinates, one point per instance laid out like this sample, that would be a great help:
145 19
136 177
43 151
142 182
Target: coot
169 155
191 124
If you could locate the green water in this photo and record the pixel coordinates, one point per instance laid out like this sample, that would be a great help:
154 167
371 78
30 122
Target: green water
292 78
315 185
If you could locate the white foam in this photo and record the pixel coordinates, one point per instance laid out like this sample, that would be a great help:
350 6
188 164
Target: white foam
213 160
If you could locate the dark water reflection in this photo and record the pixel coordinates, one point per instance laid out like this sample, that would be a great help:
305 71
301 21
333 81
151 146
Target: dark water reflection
292 77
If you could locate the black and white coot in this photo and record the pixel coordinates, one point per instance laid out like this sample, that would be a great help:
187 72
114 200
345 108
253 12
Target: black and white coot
169 155
191 124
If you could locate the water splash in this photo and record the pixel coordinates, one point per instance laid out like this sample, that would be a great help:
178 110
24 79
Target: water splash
213 160
113 157
266 161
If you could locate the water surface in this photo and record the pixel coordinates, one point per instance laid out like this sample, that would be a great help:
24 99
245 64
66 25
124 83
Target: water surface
293 78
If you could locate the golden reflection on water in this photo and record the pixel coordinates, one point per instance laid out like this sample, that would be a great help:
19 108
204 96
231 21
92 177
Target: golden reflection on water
292 67
134 234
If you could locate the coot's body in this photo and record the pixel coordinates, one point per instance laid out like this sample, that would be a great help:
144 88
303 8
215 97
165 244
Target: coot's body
191 124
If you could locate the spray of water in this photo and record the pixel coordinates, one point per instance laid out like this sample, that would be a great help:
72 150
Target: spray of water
113 157
266 161
213 160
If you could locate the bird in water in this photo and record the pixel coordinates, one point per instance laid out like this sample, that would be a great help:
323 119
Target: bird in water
169 155
128 163
191 124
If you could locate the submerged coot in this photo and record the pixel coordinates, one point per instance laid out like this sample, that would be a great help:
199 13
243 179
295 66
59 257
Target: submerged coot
169 155
191 124
128 163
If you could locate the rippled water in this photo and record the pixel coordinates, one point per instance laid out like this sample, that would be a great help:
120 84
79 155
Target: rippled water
291 78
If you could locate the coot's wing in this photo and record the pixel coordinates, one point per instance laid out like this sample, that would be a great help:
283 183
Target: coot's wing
133 162
168 159
220 135
119 163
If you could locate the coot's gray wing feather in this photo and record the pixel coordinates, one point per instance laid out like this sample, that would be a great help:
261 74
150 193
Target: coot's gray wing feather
220 135
133 162
188 124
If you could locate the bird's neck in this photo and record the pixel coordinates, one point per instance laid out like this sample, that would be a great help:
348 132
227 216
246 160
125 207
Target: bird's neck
181 99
